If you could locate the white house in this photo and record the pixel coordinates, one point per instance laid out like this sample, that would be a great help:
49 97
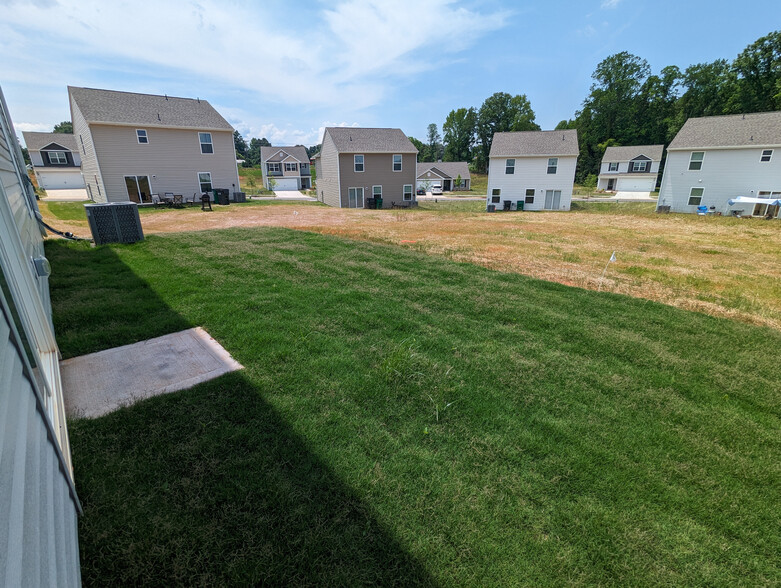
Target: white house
56 160
715 159
533 168
39 507
630 169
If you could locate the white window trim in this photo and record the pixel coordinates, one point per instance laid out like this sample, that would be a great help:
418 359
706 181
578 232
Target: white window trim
374 195
526 195
293 168
210 182
636 164
145 135
700 161
508 166
393 162
701 196
355 163
769 156
201 143
555 166
404 192
58 153
274 163
610 167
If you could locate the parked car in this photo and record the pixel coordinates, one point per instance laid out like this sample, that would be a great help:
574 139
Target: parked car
436 190
421 192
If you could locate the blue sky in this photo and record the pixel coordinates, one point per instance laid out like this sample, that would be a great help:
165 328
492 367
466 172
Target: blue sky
285 69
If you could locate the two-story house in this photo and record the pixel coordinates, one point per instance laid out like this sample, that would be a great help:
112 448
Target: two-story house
55 159
355 164
533 168
135 145
630 169
717 159
285 168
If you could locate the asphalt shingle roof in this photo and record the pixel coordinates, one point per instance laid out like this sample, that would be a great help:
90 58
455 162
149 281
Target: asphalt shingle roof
358 140
149 110
37 141
530 143
615 154
451 169
298 151
734 130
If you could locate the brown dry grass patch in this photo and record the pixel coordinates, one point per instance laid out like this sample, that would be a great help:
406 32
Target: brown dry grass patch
719 266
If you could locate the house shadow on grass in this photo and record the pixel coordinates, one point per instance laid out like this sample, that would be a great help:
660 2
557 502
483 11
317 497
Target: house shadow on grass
207 486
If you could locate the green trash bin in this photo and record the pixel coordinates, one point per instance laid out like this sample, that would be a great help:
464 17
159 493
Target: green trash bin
378 201
519 205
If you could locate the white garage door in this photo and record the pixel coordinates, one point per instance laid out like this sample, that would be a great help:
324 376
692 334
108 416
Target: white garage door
635 185
286 184
60 181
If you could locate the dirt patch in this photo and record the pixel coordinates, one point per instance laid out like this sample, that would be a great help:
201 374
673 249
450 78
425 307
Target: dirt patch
723 267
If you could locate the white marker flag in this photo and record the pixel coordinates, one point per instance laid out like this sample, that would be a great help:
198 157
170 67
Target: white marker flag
613 257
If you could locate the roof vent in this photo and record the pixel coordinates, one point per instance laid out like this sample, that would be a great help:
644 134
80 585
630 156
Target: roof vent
752 138
166 97
158 117
199 100
563 138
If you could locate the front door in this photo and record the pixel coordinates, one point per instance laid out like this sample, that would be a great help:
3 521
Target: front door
138 189
355 197
611 184
552 199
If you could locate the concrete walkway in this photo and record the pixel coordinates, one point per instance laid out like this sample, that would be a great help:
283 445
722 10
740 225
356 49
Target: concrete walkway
100 383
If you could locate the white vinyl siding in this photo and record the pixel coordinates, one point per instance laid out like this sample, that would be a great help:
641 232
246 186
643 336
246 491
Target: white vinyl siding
532 173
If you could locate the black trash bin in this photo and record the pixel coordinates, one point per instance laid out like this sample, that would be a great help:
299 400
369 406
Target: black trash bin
508 205
491 208
370 203
221 196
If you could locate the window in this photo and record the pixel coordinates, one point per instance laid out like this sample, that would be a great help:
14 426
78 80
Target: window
496 195
377 191
142 136
638 166
273 167
695 161
358 163
529 196
397 163
291 167
767 155
57 157
509 166
553 163
612 167
407 191
495 199
205 180
695 196
206 142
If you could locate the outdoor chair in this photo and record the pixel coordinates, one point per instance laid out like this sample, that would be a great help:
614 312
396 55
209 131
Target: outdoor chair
178 200
156 200
191 199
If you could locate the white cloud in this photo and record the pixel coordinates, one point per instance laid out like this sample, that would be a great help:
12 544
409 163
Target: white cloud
25 127
350 55
610 3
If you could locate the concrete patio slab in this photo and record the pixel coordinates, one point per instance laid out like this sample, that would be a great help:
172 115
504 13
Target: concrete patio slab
99 383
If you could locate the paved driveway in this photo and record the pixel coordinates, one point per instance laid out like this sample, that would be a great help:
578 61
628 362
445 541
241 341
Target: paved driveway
291 195
72 195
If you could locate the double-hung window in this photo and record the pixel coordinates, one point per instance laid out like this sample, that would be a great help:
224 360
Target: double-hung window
57 157
612 167
767 155
496 195
376 191
529 196
206 143
358 163
696 159
141 136
290 167
695 196
407 192
397 163
205 180
273 167
553 164
509 166
639 166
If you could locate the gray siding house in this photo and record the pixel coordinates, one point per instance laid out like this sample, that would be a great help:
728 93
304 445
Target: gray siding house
630 169
56 160
136 145
355 164
444 173
38 502
717 159
288 166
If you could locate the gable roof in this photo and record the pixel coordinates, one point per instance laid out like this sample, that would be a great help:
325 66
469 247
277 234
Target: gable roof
270 153
446 169
734 130
38 141
359 140
531 143
615 154
147 110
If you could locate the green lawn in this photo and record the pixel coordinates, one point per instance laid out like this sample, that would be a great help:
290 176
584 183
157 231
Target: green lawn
402 419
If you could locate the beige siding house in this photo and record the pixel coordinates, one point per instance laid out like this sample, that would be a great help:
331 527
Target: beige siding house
357 164
135 145
287 166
